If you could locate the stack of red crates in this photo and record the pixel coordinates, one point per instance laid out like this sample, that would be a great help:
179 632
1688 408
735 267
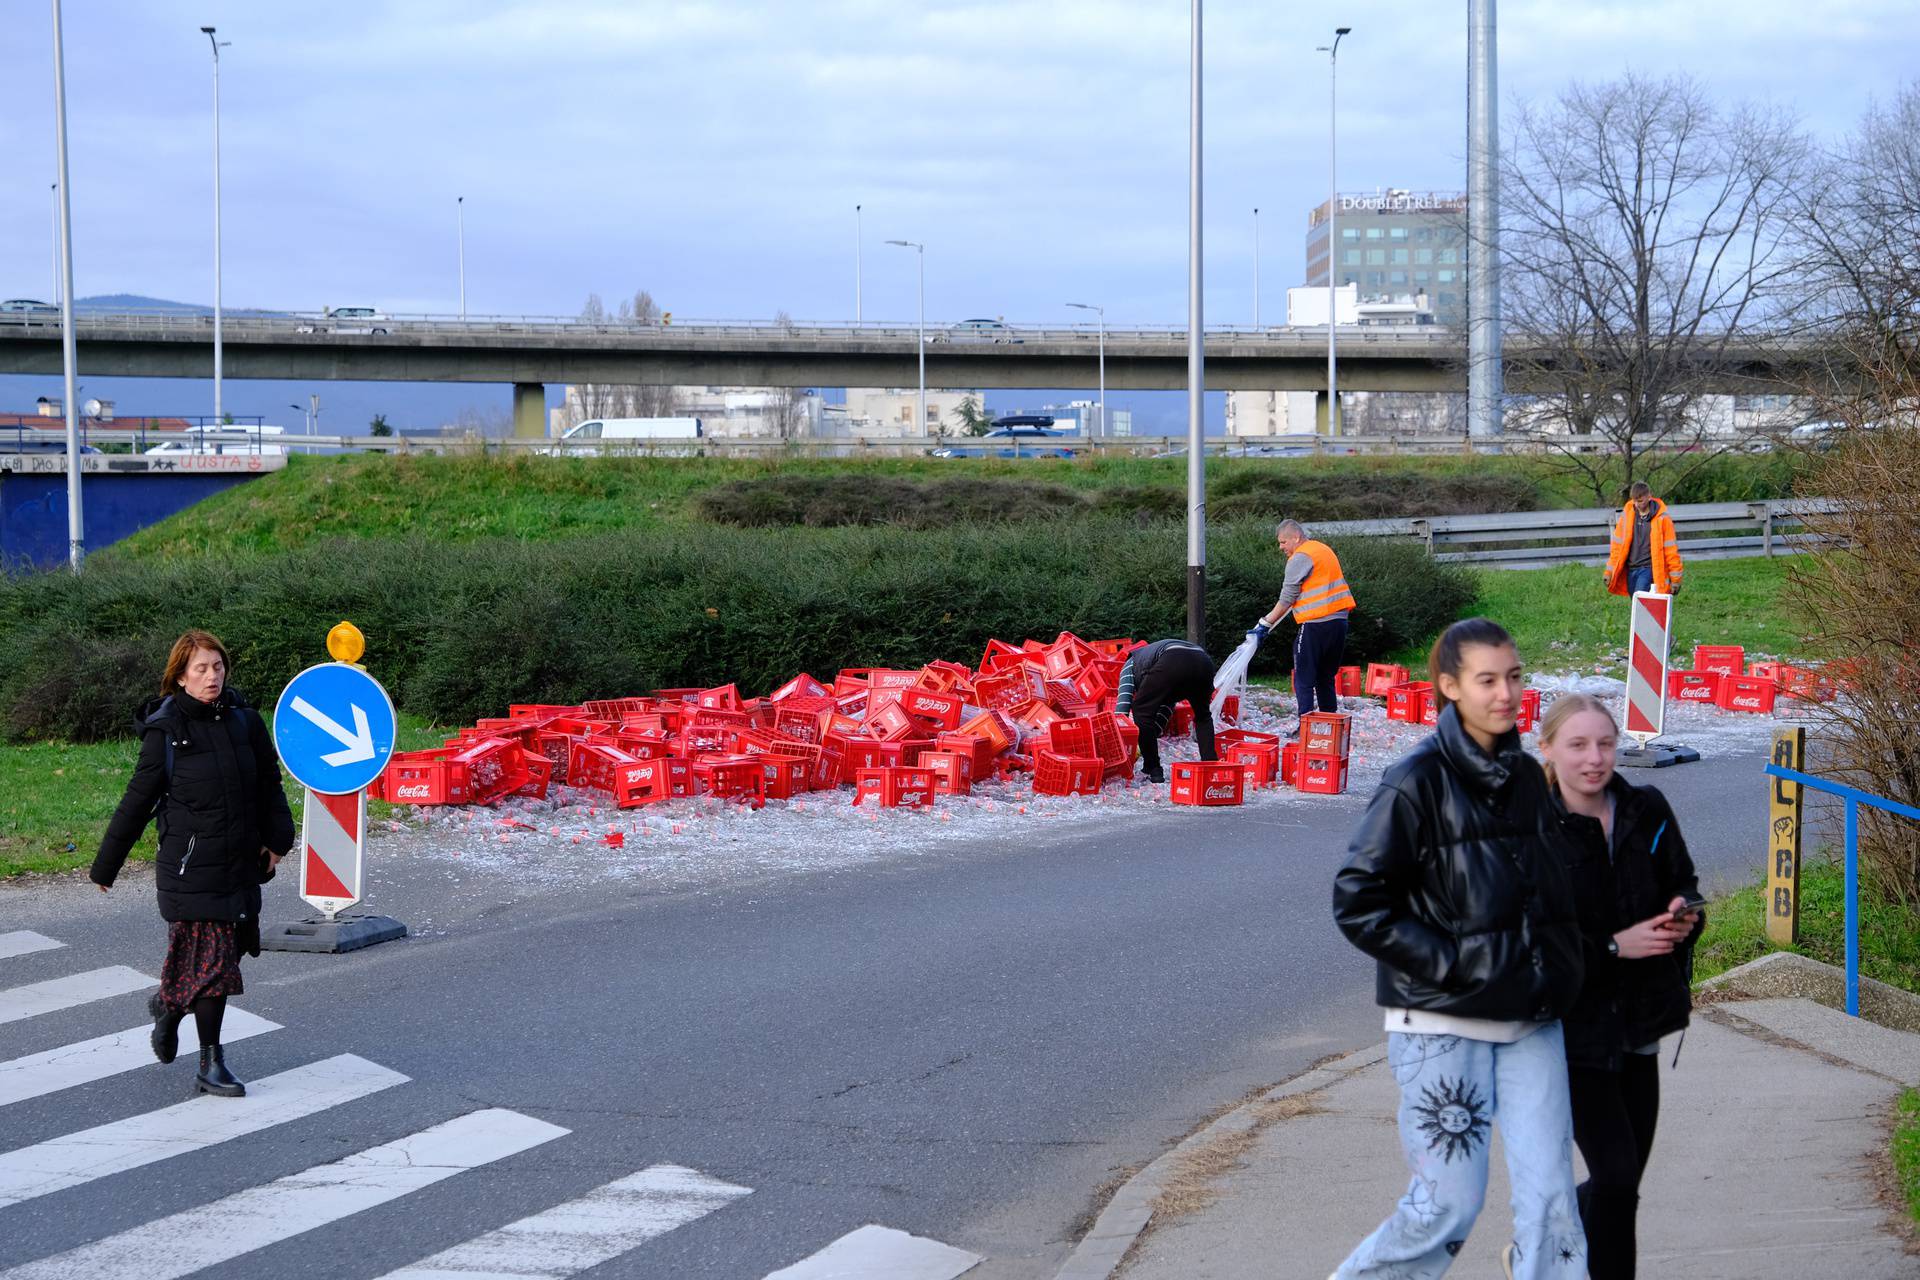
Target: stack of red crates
1326 740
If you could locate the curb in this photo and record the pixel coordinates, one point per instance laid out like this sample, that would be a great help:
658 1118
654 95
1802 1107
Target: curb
1120 1224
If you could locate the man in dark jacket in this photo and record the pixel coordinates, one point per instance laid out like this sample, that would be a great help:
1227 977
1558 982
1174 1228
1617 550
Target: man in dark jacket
1156 679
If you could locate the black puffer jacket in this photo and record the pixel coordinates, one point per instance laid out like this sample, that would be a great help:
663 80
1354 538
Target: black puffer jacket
221 805
1455 884
1626 1004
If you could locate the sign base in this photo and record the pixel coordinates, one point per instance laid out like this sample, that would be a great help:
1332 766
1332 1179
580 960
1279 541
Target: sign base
1654 757
349 933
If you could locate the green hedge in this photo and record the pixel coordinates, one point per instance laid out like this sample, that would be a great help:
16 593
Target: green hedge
457 631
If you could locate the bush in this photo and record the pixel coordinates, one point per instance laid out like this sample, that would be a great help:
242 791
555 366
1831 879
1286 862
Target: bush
1311 493
457 631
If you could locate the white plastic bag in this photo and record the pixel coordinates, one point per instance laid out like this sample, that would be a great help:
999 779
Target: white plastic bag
1231 677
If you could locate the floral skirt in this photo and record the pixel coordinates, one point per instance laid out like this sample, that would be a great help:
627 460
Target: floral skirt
203 959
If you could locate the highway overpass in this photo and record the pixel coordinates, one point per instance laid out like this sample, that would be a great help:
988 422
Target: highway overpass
531 353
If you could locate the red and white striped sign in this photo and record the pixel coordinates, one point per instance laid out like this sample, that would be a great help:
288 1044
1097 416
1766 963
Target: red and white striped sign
333 838
1647 665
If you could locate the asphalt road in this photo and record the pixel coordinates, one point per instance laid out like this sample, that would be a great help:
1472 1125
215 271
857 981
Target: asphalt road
966 1047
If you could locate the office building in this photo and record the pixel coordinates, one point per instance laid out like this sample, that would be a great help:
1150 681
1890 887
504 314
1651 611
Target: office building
1395 243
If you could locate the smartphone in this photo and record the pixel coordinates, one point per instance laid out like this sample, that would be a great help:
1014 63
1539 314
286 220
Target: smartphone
1693 902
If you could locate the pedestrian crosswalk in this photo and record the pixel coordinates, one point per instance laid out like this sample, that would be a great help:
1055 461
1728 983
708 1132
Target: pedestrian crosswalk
558 1241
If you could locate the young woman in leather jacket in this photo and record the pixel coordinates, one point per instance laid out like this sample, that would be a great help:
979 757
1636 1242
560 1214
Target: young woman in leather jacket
1632 879
1454 884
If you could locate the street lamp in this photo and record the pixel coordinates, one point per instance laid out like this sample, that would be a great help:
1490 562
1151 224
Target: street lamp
460 214
1256 266
1102 313
76 524
859 243
218 411
1333 239
56 244
1196 360
920 254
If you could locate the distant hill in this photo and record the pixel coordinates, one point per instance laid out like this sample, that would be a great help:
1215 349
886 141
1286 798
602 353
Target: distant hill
159 306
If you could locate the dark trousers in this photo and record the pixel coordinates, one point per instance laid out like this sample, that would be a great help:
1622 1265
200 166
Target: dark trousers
1614 1113
1639 579
1317 650
1177 676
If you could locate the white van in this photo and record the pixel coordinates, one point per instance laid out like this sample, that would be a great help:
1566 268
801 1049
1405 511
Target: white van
225 439
363 320
615 432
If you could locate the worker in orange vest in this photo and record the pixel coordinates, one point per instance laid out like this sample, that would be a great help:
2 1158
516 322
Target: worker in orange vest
1646 554
1317 595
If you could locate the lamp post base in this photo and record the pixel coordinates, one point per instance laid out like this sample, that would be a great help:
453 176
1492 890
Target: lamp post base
348 933
1654 757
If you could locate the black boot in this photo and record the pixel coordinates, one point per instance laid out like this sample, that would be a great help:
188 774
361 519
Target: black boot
166 1029
214 1077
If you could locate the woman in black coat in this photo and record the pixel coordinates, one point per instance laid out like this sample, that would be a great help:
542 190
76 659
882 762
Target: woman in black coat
1633 879
209 775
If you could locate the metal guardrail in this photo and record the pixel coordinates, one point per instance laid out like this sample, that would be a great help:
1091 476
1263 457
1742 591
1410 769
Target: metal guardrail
1571 535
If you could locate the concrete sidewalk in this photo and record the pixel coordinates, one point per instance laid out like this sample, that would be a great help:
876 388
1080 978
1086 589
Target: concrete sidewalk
1764 1169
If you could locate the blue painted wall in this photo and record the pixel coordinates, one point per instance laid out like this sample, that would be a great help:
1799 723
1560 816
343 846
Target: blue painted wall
33 510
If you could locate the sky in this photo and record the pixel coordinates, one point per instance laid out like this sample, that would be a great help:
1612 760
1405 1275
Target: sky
714 152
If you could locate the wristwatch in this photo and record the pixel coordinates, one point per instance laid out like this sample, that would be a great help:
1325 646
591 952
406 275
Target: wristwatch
1613 948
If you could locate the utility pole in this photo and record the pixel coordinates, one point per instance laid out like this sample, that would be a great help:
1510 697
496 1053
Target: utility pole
1256 266
1333 224
859 242
1484 373
219 411
1196 367
76 522
460 214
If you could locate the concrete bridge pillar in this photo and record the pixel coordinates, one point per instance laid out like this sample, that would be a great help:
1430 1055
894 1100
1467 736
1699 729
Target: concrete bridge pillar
529 409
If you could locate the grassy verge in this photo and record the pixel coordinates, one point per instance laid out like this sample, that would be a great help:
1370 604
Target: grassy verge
1906 1151
1889 936
1563 619
59 795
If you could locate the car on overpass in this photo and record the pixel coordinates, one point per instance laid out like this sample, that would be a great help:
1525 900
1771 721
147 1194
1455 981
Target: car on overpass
978 331
28 311
226 438
1017 436
362 320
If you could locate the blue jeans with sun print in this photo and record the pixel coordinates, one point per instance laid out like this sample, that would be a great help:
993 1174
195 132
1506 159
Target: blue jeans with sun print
1452 1090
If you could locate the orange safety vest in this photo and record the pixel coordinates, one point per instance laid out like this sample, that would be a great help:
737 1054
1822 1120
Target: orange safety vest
1325 592
1664 543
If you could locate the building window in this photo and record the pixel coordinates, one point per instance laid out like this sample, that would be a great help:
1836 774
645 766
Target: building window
1398 233
1396 277
1351 257
1376 257
1373 233
1447 277
1449 255
1399 257
1373 279
1349 233
1423 233
1449 299
1422 278
1423 256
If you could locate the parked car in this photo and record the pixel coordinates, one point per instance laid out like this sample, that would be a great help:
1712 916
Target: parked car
617 432
349 320
977 331
1017 440
228 439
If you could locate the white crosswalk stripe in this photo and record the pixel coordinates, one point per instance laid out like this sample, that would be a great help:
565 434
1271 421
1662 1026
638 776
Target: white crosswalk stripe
69 1066
54 994
24 942
568 1238
76 1158
167 1248
881 1253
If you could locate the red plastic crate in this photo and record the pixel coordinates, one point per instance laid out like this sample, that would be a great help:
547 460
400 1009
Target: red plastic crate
884 678
1071 737
1765 670
1329 732
539 771
1230 709
1529 714
1110 741
1349 682
860 755
1321 774
1207 783
1290 764
731 778
801 686
424 777
782 777
1694 686
942 710
1242 737
1802 682
1403 701
595 764
494 768
1383 677
826 774
1058 775
1261 760
1180 724
1726 659
977 749
952 771
895 788
1429 705
652 781
891 721
1747 693
903 752
724 698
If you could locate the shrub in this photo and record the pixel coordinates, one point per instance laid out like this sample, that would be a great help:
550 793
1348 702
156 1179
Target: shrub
457 631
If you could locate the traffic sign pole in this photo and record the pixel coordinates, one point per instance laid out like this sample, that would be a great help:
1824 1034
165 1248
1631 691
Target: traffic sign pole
334 727
1649 640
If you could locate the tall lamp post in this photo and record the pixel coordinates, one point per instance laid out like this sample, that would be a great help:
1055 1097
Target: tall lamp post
1101 312
1333 224
859 246
920 254
56 243
1196 363
219 413
76 524
1256 266
460 216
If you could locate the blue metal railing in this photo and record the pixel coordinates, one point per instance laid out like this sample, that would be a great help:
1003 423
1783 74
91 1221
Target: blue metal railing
1854 798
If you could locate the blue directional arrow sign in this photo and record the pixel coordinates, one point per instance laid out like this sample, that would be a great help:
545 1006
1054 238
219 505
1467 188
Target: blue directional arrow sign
334 726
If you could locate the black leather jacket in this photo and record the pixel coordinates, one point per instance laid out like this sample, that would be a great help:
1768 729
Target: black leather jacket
1626 1004
1455 883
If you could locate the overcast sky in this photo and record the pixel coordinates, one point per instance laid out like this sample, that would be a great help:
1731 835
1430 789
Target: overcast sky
713 151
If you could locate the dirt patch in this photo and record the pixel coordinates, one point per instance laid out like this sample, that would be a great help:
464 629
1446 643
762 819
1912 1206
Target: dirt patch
1193 1182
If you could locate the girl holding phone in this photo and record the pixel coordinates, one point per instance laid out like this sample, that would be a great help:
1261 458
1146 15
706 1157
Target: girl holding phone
1639 913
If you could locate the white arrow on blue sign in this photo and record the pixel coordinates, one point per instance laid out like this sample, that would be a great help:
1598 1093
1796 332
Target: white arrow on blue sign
334 727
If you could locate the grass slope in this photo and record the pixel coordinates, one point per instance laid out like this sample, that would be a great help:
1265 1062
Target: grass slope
1889 934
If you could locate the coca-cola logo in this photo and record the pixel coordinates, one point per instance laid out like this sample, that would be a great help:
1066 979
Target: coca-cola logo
1748 701
419 792
1221 793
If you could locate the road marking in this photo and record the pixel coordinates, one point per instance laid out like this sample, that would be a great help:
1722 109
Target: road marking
569 1238
37 998
85 1061
881 1253
209 1234
24 942
76 1158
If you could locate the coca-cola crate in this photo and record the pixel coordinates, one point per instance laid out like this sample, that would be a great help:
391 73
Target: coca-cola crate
1062 663
724 698
1180 723
1064 698
853 702
941 710
994 727
1241 737
980 751
1384 677
1429 706
895 788
1112 649
998 649
1805 683
1322 774
729 777
1035 716
1529 713
1092 684
647 782
1765 670
782 776
1328 732
424 777
1059 775
860 755
1747 693
539 710
801 686
1110 742
595 765
904 752
676 695
1349 682
539 771
1726 659
644 745
1229 710
494 768
1072 737
1290 764
952 771
1403 700
1261 760
615 708
891 721
1694 686
887 678
1207 782
826 772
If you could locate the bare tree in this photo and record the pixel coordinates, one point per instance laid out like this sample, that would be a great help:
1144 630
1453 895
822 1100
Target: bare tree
592 400
787 411
1644 240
